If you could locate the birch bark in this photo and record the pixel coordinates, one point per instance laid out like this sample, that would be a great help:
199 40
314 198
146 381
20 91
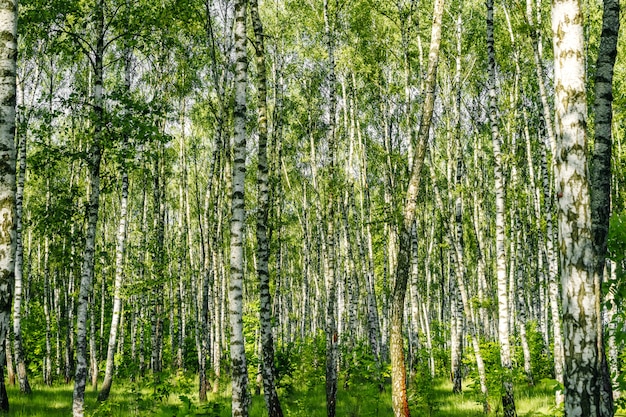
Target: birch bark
332 337
396 345
8 58
600 178
262 255
580 317
508 402
18 347
87 272
240 396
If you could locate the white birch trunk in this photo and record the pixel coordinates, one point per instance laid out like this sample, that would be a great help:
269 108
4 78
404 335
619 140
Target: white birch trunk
574 218
332 337
87 271
18 347
263 245
117 298
240 396
508 402
8 54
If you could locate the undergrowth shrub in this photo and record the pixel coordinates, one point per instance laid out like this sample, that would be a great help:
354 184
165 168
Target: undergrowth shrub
542 366
422 394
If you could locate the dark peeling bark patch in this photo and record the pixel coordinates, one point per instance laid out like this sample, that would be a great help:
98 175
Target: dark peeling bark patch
6 279
7 5
7 36
9 100
7 72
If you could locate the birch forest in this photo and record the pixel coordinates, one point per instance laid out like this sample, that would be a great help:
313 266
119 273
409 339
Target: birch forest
312 208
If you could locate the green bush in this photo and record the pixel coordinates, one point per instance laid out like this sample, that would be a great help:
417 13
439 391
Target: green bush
541 363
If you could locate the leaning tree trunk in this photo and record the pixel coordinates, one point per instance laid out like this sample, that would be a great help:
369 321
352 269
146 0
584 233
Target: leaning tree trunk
119 257
601 178
398 369
8 55
267 343
117 299
580 317
508 402
86 280
240 397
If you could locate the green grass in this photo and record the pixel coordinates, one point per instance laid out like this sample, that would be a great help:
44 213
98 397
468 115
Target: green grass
529 401
177 397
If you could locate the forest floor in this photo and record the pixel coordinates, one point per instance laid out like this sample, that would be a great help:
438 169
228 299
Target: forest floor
175 399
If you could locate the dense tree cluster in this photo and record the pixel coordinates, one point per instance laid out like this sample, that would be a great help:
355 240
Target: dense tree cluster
210 186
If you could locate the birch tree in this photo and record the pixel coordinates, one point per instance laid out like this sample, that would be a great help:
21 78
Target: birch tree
508 402
580 317
18 346
600 177
87 272
240 394
119 255
265 308
8 63
396 345
331 269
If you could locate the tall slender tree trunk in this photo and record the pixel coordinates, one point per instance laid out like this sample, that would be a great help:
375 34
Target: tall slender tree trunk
117 298
18 347
600 178
87 272
456 308
549 143
456 336
521 302
93 351
612 342
8 56
508 402
396 346
373 321
331 274
69 335
119 255
262 255
158 263
240 396
580 317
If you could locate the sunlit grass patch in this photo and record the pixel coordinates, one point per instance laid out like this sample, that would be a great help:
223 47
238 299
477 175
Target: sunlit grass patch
179 398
